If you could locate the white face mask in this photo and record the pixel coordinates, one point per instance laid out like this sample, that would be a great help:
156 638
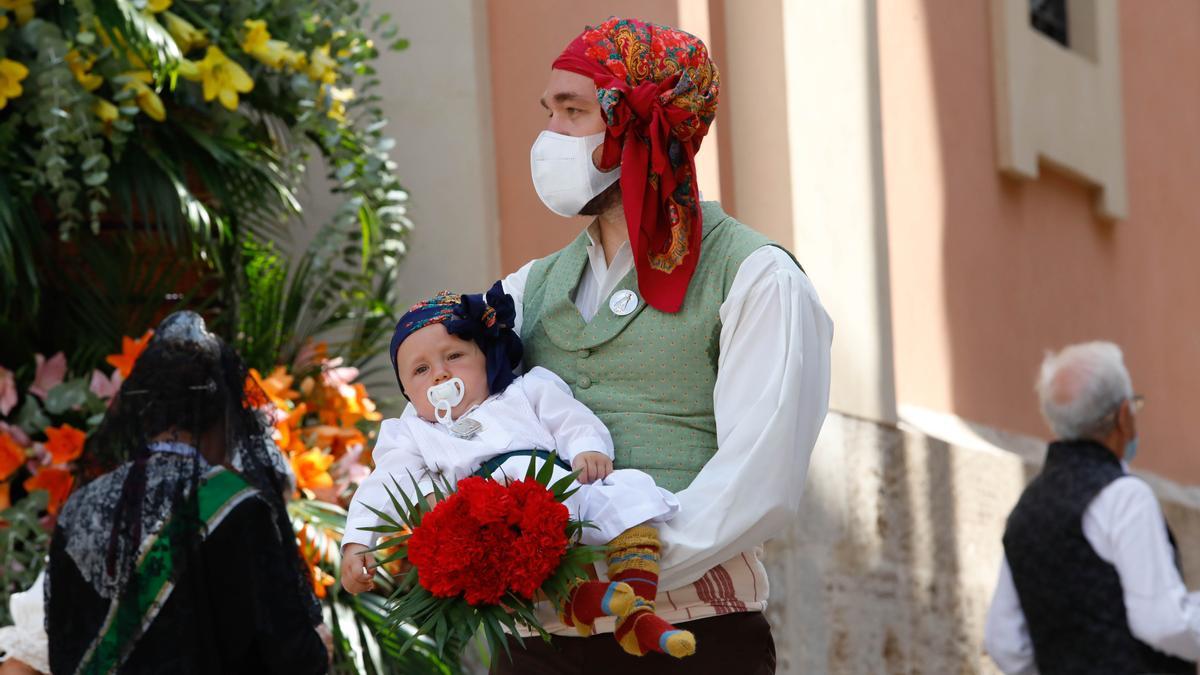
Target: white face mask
563 173
444 397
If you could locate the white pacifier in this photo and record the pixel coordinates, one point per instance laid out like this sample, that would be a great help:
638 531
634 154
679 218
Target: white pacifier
444 397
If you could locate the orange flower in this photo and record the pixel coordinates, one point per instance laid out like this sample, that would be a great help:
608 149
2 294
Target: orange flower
57 482
12 456
279 383
312 469
5 500
367 405
320 580
254 391
286 430
131 349
337 439
65 443
395 567
277 386
348 404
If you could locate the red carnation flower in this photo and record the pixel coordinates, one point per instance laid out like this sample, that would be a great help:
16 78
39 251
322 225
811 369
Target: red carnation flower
488 539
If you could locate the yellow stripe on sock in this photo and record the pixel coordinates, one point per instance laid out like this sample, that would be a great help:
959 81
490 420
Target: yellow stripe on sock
642 535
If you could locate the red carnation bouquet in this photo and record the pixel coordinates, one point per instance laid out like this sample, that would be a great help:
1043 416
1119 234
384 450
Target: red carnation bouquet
481 556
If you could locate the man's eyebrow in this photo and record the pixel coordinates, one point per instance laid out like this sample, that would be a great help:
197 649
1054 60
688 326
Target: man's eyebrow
563 97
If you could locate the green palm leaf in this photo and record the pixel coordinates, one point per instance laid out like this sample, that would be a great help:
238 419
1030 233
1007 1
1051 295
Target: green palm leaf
142 35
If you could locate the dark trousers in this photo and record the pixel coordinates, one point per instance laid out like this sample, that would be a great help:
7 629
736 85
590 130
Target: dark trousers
731 644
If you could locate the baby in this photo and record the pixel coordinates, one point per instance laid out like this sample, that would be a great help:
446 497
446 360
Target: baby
454 358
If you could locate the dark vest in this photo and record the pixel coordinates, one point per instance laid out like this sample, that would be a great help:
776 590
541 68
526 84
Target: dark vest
1071 597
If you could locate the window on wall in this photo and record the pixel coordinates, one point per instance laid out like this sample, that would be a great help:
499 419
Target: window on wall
1049 17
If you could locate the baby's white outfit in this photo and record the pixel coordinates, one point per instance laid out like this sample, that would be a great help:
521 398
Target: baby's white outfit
535 412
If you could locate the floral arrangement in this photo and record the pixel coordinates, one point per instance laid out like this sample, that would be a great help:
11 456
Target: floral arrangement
483 555
42 434
151 151
318 430
80 79
45 424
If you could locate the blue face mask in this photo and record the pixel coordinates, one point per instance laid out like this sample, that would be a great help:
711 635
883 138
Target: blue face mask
1131 450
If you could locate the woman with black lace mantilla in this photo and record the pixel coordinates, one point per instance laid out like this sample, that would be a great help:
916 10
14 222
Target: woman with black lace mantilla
181 559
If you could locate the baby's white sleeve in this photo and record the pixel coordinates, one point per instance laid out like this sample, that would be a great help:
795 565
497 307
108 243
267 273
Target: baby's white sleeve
396 456
574 427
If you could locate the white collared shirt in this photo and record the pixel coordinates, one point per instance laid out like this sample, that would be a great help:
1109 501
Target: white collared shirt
602 278
770 399
1125 526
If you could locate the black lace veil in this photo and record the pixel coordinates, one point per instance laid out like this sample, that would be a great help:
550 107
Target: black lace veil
187 384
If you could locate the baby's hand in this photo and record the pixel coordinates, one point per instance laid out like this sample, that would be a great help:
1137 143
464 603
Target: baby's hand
592 466
358 569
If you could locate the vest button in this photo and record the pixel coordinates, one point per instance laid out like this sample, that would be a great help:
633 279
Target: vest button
584 353
585 382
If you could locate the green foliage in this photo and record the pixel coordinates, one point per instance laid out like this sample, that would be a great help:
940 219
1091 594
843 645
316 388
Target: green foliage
111 217
23 545
202 187
364 641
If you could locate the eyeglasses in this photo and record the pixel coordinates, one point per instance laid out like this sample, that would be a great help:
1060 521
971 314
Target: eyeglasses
1136 403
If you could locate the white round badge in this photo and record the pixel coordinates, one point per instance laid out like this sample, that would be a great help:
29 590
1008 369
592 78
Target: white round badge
623 302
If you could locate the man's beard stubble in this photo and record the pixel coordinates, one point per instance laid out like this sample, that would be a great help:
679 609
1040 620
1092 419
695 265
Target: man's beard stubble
610 197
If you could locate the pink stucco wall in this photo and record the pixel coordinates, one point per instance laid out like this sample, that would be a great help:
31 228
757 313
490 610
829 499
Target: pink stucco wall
989 272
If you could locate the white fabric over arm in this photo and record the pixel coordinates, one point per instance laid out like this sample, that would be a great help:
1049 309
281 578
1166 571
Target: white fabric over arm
514 285
574 427
395 456
770 398
1129 531
1006 634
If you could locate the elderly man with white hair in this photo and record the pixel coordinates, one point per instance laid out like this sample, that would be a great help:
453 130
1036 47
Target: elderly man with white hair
1090 581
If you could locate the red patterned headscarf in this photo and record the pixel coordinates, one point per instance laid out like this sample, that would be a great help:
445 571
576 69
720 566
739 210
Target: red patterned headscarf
657 89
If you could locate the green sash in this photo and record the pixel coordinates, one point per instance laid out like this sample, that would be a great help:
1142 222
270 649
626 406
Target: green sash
130 614
489 467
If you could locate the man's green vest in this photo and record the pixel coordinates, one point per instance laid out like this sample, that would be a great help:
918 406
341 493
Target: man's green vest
648 375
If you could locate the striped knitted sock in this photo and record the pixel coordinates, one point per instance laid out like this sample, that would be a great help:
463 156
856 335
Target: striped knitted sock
633 559
590 600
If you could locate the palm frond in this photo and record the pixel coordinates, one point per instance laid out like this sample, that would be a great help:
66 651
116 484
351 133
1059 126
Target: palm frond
363 640
20 236
142 35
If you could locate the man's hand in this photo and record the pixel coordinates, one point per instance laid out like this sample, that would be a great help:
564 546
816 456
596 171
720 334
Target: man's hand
592 466
358 569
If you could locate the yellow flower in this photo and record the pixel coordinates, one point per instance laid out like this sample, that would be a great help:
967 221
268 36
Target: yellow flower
3 21
256 36
187 36
106 111
11 74
80 67
338 97
321 67
147 100
274 53
22 8
156 6
223 78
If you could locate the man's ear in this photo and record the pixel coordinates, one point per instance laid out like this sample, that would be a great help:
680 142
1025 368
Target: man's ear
1126 420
